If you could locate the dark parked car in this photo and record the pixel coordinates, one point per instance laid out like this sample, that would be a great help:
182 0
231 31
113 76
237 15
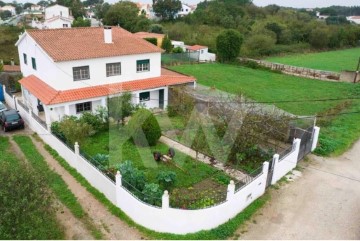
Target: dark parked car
10 119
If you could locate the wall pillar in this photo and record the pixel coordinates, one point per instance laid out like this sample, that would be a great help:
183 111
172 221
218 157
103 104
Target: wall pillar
118 178
297 142
47 117
274 163
230 191
165 200
315 138
77 149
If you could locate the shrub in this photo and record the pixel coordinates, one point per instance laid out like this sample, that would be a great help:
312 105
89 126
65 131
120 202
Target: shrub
178 50
166 179
133 179
144 128
55 129
152 40
166 44
156 28
228 45
101 161
74 130
152 194
93 120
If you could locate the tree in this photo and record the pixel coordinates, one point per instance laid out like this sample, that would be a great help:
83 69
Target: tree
101 10
27 5
166 9
144 128
166 44
156 28
319 38
121 107
228 44
81 22
2 4
18 9
259 44
123 13
5 14
43 3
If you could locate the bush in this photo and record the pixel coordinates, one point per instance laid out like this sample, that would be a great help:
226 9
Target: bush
166 179
133 179
74 130
228 45
101 161
144 128
156 28
178 50
152 40
152 194
55 129
93 120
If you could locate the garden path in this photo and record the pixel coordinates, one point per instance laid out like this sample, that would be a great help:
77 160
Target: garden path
111 226
236 174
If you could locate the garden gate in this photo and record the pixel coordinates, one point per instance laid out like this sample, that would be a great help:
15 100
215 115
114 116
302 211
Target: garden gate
306 136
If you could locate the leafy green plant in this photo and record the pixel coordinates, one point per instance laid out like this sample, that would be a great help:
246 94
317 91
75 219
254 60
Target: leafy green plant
74 130
166 179
101 161
152 194
133 179
93 120
144 128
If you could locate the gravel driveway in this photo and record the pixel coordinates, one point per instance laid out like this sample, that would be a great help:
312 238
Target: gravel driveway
322 204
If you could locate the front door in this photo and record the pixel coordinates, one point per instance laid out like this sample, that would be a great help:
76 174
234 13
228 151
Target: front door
161 99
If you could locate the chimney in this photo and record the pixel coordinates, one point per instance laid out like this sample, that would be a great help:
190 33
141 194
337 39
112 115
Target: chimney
107 35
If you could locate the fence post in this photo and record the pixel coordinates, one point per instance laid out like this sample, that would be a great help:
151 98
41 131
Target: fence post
230 191
297 142
118 179
77 149
14 99
274 163
315 138
165 200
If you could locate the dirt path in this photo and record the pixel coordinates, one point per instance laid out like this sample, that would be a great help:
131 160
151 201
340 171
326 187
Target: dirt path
74 229
111 226
323 204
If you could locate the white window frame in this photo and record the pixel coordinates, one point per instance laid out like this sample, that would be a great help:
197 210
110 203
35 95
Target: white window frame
142 67
83 108
81 73
113 69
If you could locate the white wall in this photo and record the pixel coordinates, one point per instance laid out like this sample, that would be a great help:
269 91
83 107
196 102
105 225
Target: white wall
57 23
56 10
287 163
154 98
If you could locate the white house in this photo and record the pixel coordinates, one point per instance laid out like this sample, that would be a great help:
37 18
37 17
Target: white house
319 16
71 70
201 52
9 8
354 19
56 16
185 10
35 7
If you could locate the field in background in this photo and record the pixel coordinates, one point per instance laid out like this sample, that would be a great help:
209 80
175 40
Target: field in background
8 37
332 60
338 132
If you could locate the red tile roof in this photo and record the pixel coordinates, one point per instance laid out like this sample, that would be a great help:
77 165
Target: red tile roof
86 43
196 47
50 96
11 68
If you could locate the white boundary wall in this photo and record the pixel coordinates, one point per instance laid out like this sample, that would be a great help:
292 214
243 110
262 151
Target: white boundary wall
165 218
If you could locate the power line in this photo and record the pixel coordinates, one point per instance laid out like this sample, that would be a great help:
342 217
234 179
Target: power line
332 173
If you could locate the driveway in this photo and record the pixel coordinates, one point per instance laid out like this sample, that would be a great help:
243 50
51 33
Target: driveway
322 204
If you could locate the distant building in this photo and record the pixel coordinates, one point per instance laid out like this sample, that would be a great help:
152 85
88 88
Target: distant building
354 19
56 16
35 7
185 10
202 52
8 8
319 16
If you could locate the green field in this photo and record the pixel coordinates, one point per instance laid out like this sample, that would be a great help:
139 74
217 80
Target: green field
338 132
332 61
8 37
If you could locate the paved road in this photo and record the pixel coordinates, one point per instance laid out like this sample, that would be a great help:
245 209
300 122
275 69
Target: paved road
323 204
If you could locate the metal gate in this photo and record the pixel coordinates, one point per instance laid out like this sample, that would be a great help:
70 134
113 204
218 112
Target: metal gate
270 172
306 136
1 93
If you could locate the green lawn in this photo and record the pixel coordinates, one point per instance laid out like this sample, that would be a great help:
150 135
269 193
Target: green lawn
332 60
267 86
117 144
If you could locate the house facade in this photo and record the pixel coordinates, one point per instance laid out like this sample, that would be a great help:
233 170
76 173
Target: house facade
354 19
8 8
56 16
185 10
69 71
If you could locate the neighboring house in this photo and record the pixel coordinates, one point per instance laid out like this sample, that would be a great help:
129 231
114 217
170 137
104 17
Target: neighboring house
9 8
321 16
185 10
354 19
35 7
69 71
180 44
158 36
56 16
147 10
202 52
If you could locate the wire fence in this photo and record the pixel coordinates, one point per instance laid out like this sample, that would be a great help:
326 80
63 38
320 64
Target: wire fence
248 179
285 153
179 58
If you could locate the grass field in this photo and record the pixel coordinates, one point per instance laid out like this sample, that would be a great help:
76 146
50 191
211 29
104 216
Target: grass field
331 61
339 132
8 37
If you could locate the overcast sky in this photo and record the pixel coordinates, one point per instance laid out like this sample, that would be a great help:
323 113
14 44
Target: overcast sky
286 3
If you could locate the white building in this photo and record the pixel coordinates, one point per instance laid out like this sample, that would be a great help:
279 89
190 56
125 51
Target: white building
354 19
35 7
9 8
202 53
185 10
56 16
69 71
319 16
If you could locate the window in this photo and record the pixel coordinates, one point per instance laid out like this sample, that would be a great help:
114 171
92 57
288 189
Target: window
25 58
113 69
144 96
65 25
81 73
202 51
143 65
33 61
81 107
